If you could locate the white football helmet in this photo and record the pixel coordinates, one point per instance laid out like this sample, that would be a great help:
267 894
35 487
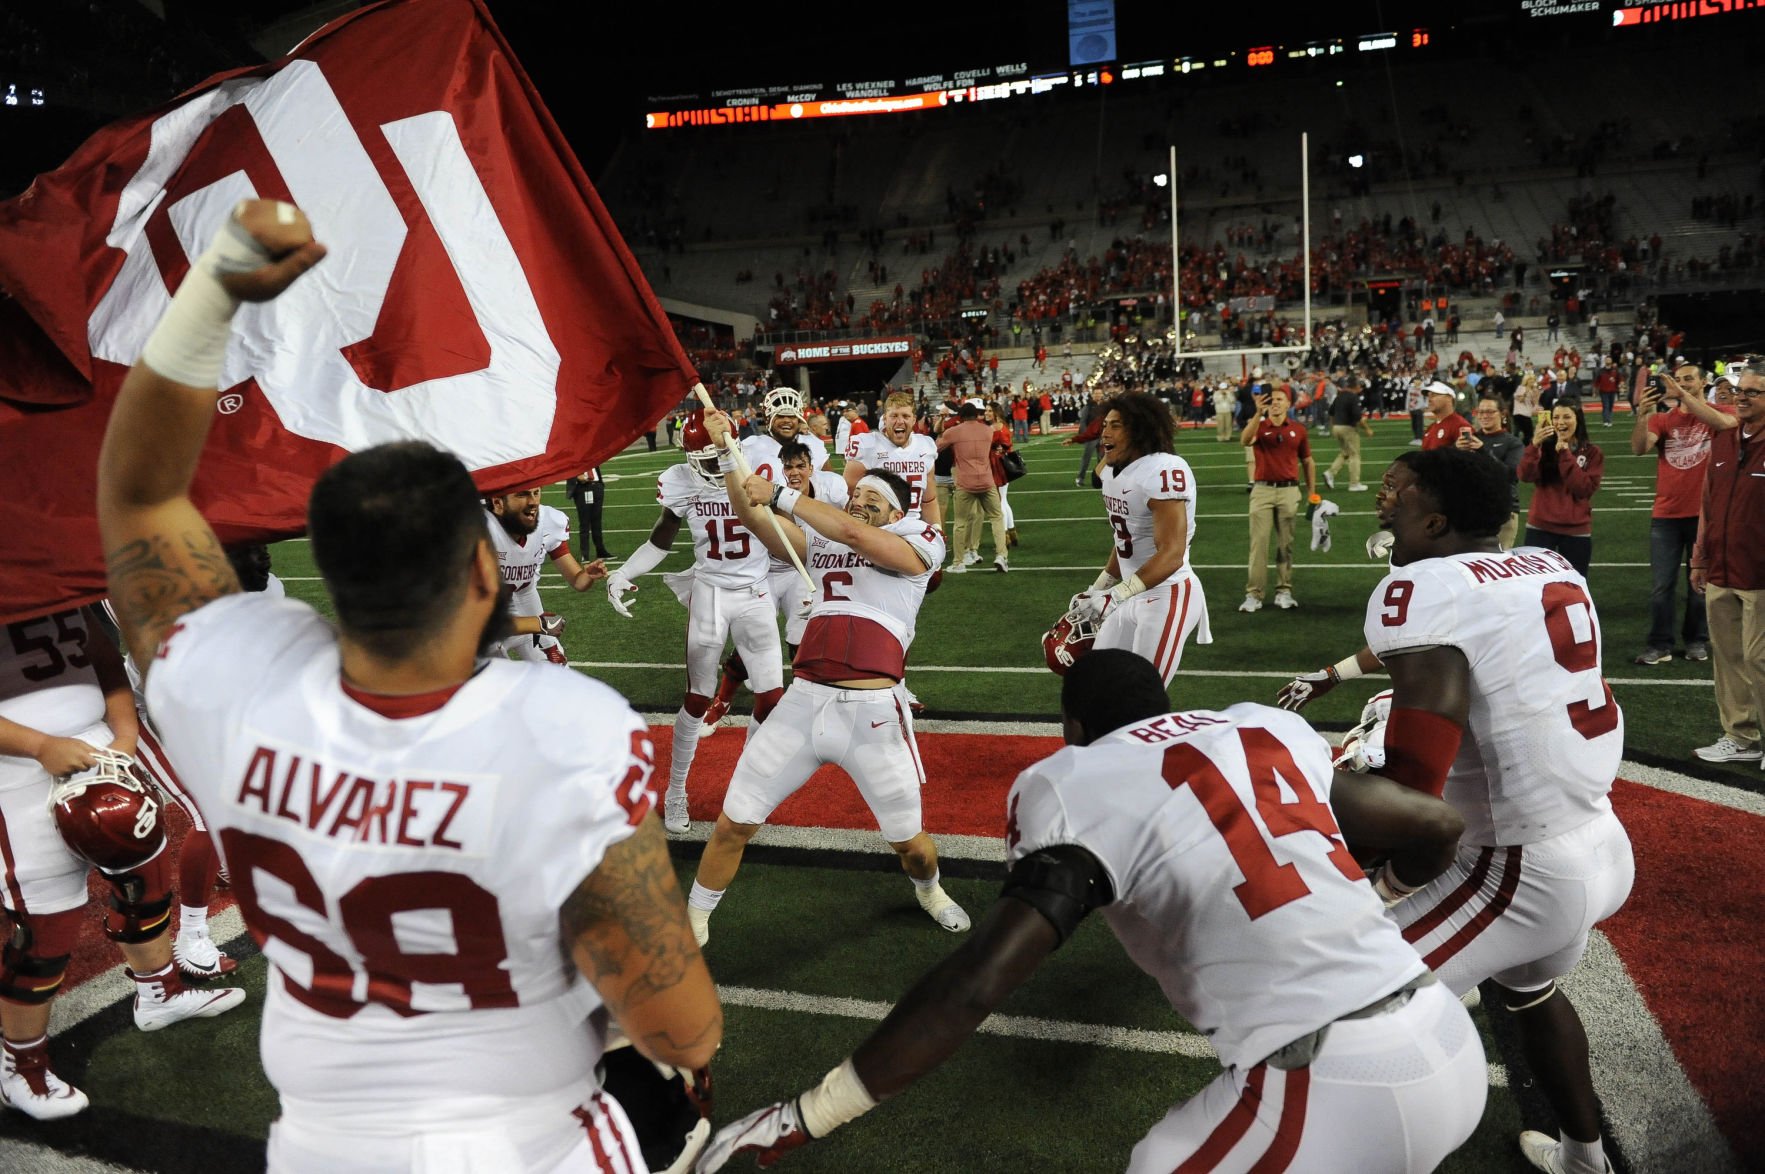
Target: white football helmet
782 401
1363 747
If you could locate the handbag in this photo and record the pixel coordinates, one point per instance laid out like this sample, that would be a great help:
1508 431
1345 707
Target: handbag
1012 462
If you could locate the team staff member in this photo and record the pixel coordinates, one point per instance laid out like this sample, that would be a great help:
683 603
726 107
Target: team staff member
1566 470
1493 440
1348 423
976 497
1728 566
1447 425
1279 447
589 491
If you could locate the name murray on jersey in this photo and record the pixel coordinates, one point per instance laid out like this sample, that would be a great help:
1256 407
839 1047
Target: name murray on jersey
345 805
1509 566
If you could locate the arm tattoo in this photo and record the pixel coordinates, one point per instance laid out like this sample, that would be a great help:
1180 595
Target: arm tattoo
156 580
628 919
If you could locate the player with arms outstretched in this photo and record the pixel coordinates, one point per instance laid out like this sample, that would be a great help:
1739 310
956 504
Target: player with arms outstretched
1208 842
1148 598
525 534
845 704
451 900
726 594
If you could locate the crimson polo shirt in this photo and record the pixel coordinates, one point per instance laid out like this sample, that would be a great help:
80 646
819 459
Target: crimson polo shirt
1279 449
1446 433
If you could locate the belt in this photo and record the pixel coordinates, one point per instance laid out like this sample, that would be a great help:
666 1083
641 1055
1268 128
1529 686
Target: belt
1303 1050
1279 484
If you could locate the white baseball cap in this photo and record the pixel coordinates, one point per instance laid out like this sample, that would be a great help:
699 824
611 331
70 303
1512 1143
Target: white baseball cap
1439 388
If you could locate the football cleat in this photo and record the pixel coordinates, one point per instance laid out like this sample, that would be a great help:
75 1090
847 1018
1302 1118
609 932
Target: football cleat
714 717
29 1085
1072 635
155 1014
943 908
1545 1153
675 819
701 450
198 957
106 816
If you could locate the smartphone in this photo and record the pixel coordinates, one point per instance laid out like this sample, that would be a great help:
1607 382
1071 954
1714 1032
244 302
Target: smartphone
1464 432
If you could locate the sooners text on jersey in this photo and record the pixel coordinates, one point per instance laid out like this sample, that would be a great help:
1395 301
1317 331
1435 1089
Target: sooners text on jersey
863 612
912 461
1128 496
724 553
521 559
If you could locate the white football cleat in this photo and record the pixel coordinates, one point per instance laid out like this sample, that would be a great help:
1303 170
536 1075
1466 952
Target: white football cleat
1545 1153
198 957
34 1090
943 908
152 1016
714 717
675 819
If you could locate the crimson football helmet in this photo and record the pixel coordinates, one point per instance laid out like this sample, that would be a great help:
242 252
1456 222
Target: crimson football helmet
701 450
106 816
1071 637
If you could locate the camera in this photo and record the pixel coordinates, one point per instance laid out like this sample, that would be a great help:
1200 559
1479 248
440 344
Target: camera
1660 385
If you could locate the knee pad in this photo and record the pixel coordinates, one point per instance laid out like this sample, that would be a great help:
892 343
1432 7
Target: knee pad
137 910
696 704
764 703
33 959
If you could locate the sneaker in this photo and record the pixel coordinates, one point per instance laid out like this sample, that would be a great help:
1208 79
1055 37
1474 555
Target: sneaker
714 717
999 564
1285 601
1011 536
957 568
1357 487
1078 484
1653 656
971 558
1329 479
198 957
1726 749
28 1085
1250 488
1541 1149
1251 603
170 1009
700 920
1697 651
1416 443
943 908
675 820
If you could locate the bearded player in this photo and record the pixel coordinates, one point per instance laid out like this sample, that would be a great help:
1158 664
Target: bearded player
452 899
726 594
1342 1053
783 409
845 704
525 534
1499 705
1148 598
790 595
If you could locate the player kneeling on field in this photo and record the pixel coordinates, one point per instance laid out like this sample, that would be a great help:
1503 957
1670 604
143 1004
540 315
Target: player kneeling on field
1342 1052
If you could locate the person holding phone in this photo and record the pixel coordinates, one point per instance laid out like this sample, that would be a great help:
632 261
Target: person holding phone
1493 440
1446 425
1566 470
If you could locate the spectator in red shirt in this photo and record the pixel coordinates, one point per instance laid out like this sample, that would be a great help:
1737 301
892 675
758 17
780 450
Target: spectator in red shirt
1278 446
995 420
1447 425
976 497
1674 422
1046 403
1566 470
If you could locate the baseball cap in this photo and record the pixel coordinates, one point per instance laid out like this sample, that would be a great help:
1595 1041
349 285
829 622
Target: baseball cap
1439 388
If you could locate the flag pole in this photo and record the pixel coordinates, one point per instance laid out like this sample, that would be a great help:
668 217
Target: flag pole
746 471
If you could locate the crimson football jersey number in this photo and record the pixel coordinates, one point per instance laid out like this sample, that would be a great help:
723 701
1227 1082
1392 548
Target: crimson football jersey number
60 650
734 544
832 582
1268 884
1578 653
1124 542
387 970
1173 481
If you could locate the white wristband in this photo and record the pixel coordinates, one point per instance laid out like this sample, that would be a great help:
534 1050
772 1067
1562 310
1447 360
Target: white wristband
1348 668
1127 588
1104 581
785 499
726 460
190 342
839 1098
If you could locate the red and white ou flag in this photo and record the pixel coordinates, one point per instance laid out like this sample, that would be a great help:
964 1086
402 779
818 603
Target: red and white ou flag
477 294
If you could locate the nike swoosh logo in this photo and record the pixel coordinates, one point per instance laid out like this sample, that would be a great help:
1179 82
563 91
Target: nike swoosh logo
876 725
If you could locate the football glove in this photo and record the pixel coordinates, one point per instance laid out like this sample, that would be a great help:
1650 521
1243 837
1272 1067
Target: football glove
1296 694
550 623
1379 545
618 585
767 1133
1091 604
555 654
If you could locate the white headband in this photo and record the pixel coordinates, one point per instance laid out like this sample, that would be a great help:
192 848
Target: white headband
884 488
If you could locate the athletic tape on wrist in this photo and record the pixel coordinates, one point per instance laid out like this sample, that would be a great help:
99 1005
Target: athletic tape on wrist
190 342
839 1098
1104 581
1348 668
1127 588
725 461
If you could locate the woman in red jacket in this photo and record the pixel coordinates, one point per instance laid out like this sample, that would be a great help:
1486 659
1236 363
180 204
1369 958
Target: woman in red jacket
1566 471
1002 443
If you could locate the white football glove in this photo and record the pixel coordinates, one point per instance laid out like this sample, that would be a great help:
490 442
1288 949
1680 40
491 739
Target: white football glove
1091 604
767 1133
550 623
1296 694
618 585
1379 545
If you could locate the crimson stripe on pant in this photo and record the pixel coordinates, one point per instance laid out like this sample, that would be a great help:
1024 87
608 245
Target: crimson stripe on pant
14 892
1167 662
1231 1129
1453 902
912 747
591 1115
1291 1127
153 757
1504 896
1170 617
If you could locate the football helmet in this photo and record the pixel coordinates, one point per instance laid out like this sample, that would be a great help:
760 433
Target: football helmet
782 401
1363 747
701 450
106 816
1071 637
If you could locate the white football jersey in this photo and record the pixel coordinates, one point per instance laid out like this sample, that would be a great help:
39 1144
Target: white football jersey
724 553
1233 888
1128 496
913 461
761 449
403 874
824 486
862 607
46 677
522 559
1545 734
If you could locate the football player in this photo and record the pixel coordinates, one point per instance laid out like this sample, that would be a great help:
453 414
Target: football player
452 898
1498 703
1216 846
790 595
783 409
525 534
726 594
1147 598
845 704
68 733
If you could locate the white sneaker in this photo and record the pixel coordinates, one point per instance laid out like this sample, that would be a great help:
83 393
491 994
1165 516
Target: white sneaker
1357 487
956 569
1541 1149
700 920
1000 564
1285 601
198 957
675 820
1726 749
943 908
1251 603
152 1016
36 1091
971 558
1329 479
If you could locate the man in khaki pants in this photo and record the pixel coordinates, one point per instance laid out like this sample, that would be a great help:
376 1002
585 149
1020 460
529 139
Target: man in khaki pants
1278 447
976 497
1347 424
1728 565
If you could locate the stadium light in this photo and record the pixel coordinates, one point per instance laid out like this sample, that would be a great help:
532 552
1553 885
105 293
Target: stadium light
1161 180
1356 160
